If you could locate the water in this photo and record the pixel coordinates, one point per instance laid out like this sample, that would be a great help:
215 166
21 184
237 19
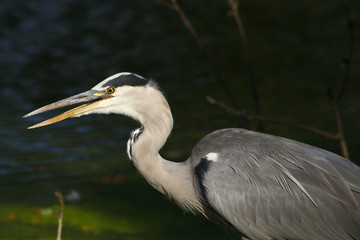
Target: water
54 49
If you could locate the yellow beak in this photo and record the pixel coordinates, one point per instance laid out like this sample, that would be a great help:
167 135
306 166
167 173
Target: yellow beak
91 97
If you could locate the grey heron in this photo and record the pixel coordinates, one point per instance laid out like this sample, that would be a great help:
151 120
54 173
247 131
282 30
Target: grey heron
264 186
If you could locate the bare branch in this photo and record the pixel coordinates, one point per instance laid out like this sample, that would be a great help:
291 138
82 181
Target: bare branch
343 145
339 125
60 199
173 4
269 119
235 108
165 4
347 61
234 4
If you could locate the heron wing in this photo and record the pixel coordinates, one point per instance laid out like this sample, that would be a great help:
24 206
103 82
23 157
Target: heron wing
275 188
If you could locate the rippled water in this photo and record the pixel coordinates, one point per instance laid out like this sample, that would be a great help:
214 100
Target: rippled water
53 49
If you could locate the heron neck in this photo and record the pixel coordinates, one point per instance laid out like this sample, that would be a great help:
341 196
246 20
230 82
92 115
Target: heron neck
170 178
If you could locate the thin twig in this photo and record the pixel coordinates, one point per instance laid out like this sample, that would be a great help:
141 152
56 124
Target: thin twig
274 120
60 199
336 100
173 4
343 145
339 125
235 109
347 61
234 4
165 4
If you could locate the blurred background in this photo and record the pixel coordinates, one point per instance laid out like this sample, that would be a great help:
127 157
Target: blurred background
50 50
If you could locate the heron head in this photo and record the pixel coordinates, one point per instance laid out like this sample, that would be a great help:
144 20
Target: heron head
121 93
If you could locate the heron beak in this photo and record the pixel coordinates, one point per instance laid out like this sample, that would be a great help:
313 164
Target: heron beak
91 99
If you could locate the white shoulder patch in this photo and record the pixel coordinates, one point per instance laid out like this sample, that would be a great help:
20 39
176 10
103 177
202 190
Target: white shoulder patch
212 157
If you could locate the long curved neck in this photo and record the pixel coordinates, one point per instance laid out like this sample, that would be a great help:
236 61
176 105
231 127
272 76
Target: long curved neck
170 178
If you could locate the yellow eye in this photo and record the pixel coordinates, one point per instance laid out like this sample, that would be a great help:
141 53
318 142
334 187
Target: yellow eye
110 90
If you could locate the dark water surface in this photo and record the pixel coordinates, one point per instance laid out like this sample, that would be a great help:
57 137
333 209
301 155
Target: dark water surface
50 50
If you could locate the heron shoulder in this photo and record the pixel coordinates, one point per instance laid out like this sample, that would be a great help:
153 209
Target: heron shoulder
260 159
290 175
242 141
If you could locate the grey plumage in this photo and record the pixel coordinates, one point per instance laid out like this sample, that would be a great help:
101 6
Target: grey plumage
264 186
274 188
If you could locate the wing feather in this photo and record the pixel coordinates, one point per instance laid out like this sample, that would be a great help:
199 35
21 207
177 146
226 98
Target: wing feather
274 188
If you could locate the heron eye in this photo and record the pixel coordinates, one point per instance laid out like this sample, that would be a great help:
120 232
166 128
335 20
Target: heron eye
110 90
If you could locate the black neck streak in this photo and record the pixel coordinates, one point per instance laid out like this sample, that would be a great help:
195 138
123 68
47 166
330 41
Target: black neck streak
133 138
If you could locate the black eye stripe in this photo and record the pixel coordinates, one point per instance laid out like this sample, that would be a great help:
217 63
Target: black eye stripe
126 80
